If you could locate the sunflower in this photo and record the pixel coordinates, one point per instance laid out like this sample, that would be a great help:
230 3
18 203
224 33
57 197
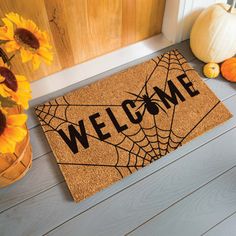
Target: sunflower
24 35
11 131
14 86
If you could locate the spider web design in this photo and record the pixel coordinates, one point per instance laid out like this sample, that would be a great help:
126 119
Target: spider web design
139 148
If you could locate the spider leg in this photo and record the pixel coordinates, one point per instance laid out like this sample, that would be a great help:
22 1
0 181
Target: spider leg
161 107
141 105
145 86
136 95
138 100
153 95
144 111
157 100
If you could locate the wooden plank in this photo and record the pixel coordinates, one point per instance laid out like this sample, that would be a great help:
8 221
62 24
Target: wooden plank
32 120
198 66
129 21
35 216
84 29
224 227
194 214
222 88
131 206
92 30
155 194
39 143
56 14
149 14
53 209
44 174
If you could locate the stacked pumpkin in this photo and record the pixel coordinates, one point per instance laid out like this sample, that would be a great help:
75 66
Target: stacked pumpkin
213 40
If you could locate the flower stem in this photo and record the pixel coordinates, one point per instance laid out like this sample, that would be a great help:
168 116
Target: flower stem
5 58
3 55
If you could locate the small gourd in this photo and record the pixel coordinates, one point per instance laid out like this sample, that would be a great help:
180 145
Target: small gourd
213 34
211 70
228 69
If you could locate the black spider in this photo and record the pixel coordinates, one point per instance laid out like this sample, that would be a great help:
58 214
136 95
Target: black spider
150 104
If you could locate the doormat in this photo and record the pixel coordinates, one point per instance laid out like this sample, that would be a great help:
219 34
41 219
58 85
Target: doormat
104 132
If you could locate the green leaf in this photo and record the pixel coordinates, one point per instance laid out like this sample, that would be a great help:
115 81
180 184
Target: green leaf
6 102
9 60
5 57
3 41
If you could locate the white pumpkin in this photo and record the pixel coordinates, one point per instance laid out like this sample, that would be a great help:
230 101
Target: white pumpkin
213 35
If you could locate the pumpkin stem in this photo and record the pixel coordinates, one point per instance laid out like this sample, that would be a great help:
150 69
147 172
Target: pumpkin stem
232 6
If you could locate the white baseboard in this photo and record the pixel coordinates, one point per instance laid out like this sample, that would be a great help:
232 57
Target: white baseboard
98 65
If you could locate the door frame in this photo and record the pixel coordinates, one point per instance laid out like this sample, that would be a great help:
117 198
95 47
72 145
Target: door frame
179 17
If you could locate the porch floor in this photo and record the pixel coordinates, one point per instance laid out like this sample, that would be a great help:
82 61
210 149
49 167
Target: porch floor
191 191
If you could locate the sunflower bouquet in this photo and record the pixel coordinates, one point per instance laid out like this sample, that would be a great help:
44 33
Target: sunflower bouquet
18 35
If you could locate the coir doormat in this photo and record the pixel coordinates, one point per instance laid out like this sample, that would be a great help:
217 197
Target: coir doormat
109 129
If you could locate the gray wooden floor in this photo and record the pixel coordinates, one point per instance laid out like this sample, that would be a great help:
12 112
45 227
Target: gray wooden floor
191 191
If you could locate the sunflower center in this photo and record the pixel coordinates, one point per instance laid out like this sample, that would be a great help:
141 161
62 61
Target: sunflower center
3 122
10 79
26 38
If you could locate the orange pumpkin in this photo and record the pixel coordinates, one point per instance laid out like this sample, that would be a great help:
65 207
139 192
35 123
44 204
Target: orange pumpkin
228 69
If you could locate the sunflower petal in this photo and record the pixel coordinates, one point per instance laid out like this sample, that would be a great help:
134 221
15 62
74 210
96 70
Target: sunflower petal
22 99
3 91
2 62
15 18
36 62
24 102
3 33
20 78
22 82
10 30
24 86
16 120
23 94
45 54
30 25
26 55
12 46
15 134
